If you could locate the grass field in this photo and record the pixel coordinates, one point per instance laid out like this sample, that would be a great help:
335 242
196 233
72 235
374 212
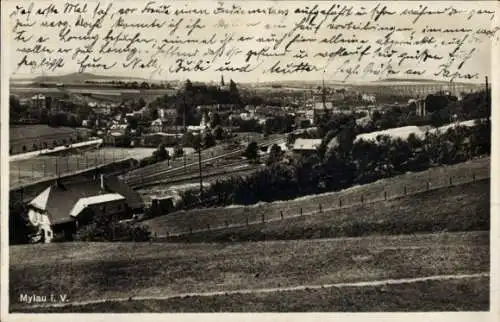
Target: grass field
428 296
31 136
29 170
459 208
181 222
37 131
90 271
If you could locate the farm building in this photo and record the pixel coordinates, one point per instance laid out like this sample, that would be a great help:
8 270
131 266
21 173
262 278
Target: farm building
306 146
61 209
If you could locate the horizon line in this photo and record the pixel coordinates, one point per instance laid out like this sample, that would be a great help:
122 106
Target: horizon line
29 77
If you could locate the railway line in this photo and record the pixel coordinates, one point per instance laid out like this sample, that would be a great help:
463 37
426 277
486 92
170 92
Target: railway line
238 167
157 173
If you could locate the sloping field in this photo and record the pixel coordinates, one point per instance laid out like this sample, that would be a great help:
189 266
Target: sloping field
201 219
23 132
26 138
459 208
92 271
426 296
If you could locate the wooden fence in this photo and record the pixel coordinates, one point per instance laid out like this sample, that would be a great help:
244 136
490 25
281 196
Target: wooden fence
211 219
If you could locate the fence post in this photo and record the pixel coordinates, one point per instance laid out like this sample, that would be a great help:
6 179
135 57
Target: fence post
247 221
340 202
428 185
300 211
190 229
208 226
362 199
263 218
404 189
281 214
320 208
385 195
451 181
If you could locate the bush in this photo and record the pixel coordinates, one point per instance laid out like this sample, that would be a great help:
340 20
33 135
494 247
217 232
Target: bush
161 153
252 152
208 140
275 155
178 152
147 161
218 133
347 164
114 231
20 228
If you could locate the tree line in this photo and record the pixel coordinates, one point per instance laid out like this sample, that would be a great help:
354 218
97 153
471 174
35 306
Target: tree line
347 164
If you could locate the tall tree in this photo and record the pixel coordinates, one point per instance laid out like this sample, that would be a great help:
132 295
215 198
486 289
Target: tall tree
275 155
208 140
234 94
161 153
252 152
215 120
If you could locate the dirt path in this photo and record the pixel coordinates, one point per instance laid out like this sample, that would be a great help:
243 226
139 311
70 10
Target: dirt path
272 290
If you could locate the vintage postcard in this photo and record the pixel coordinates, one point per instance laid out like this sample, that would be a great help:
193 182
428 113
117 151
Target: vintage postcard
249 157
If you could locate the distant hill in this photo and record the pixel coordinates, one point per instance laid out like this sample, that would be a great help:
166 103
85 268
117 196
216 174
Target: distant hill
75 78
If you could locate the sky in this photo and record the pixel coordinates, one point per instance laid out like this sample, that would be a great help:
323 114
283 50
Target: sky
480 62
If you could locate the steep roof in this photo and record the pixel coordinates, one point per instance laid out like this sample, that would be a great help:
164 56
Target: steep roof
60 198
82 203
40 201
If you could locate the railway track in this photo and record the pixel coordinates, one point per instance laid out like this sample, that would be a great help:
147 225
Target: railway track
227 170
157 172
